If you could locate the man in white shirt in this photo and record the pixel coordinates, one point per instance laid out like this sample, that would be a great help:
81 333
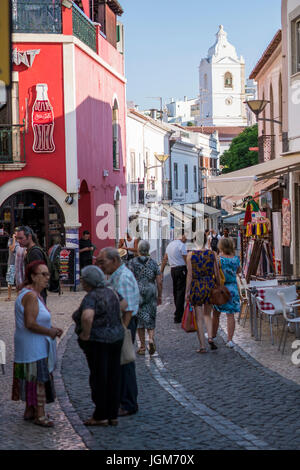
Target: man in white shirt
176 254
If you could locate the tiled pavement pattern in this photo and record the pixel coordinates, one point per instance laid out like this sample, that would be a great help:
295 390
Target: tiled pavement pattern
222 400
15 433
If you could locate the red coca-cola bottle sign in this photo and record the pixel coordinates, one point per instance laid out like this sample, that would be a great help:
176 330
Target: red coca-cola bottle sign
42 121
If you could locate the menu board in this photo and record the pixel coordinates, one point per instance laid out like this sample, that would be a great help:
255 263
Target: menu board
67 269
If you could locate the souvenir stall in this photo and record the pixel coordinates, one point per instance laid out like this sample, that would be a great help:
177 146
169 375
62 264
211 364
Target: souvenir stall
256 243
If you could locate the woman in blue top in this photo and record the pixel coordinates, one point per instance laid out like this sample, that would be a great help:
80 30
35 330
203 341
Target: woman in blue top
35 347
230 265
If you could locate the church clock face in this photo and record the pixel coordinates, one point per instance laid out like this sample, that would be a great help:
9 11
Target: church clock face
229 101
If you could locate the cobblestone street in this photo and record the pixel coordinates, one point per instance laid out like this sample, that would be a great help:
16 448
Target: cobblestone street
246 398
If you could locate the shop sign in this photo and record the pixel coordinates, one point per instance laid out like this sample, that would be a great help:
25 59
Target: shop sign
42 121
286 222
67 266
178 195
150 196
24 57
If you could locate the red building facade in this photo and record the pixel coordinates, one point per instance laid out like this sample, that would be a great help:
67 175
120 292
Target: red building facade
62 134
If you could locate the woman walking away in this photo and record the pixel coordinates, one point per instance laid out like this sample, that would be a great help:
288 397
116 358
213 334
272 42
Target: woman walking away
101 334
147 274
35 347
230 265
203 274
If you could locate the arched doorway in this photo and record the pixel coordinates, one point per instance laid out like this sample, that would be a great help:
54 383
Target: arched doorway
85 207
36 209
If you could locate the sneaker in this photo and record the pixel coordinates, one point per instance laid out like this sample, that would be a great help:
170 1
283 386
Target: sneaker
230 344
206 336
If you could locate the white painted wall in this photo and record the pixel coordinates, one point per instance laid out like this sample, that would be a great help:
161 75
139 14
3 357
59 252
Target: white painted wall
222 106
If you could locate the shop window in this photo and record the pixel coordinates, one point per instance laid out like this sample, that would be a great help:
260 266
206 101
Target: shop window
228 80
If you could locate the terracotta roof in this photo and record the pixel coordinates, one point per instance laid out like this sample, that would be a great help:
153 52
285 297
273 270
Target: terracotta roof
222 130
114 5
267 54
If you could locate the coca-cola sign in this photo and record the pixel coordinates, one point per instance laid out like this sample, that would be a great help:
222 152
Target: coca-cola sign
42 121
24 57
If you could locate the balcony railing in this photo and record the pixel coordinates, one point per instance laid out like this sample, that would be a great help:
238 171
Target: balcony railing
137 193
83 27
36 16
266 148
12 143
212 201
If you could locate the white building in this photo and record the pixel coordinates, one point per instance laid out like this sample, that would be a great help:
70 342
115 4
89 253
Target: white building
222 85
251 94
146 181
183 112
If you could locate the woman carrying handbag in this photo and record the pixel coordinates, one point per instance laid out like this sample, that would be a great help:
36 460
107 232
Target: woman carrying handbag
230 265
202 276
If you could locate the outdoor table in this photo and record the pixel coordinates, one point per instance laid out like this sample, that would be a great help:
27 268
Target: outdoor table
252 291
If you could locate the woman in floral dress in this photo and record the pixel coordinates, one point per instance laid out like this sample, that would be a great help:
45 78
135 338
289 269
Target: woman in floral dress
203 274
147 274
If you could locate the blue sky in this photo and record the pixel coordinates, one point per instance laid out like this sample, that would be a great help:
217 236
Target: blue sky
166 39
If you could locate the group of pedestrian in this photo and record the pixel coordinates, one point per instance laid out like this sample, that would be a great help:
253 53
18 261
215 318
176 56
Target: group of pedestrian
196 274
118 296
23 248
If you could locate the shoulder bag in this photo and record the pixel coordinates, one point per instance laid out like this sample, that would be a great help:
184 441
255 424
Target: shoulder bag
127 351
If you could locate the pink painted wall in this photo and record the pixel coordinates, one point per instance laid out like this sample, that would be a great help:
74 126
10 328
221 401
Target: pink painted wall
270 75
96 88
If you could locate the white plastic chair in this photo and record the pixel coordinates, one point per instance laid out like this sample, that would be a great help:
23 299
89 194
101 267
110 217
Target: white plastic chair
242 287
271 296
2 355
286 308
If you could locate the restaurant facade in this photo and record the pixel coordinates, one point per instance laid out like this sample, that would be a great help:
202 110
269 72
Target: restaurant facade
62 134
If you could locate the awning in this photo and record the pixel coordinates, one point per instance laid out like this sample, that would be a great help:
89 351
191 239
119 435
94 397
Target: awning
198 209
230 203
242 182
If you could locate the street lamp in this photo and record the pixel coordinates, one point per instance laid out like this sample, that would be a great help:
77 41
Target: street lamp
257 107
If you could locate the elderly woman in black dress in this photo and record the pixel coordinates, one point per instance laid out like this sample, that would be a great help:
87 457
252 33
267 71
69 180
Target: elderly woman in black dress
148 276
100 331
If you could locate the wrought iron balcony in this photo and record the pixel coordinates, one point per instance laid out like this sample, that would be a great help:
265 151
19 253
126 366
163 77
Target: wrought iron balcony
36 16
12 143
83 27
266 148
137 193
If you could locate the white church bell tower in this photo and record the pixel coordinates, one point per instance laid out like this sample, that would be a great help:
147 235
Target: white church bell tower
222 85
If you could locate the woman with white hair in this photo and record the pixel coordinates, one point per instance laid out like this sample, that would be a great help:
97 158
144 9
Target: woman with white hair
101 334
148 276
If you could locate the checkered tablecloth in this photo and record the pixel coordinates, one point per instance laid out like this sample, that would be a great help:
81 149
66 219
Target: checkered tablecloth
264 305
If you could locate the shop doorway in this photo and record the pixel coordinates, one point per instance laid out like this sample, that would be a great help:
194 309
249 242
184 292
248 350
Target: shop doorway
36 209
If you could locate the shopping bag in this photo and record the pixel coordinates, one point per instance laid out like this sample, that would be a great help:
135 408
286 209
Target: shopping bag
188 322
127 351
